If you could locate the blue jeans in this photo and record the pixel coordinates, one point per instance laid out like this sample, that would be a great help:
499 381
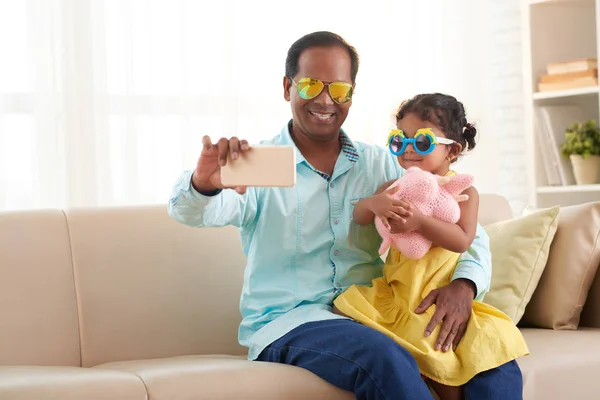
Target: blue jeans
368 363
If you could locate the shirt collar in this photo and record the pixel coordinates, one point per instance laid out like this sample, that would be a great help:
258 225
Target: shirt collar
347 146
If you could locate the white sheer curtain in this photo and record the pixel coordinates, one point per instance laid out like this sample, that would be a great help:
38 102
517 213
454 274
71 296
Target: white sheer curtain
105 102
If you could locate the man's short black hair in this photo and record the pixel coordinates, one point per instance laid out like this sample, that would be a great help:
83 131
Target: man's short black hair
319 39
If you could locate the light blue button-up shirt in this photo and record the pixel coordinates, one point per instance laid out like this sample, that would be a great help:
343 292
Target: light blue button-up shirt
301 243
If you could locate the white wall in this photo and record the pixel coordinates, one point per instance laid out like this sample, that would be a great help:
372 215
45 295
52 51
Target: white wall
504 86
493 94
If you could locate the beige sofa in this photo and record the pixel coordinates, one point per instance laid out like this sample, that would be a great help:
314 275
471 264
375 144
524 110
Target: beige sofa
126 303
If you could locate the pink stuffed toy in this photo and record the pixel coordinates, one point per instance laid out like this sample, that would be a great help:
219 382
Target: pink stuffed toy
433 195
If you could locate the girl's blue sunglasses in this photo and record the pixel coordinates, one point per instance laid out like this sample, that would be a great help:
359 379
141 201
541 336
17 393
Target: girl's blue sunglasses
423 142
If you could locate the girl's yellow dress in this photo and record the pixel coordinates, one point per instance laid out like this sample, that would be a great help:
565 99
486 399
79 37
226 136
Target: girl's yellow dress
491 338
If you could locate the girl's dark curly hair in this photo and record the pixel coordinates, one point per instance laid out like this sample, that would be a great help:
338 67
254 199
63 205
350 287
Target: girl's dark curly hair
444 111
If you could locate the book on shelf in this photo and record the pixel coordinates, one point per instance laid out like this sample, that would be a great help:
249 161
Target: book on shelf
550 168
551 124
570 84
588 73
581 64
572 74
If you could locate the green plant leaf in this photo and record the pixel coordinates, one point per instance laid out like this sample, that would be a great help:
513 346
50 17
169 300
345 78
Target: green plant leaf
582 138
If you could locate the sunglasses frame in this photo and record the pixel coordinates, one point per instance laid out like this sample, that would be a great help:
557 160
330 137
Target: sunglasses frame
349 96
434 140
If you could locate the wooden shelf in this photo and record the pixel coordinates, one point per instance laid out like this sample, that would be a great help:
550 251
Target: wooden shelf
544 41
532 2
558 94
569 189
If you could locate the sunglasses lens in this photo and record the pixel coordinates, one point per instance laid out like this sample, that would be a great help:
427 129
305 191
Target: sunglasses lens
340 92
396 144
309 88
423 143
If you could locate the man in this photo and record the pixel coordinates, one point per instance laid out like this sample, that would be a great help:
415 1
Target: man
303 248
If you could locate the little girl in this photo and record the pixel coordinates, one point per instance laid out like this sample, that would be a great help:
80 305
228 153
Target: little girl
432 132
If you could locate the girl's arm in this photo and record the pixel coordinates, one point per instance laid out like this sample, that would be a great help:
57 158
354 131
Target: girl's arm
381 204
454 237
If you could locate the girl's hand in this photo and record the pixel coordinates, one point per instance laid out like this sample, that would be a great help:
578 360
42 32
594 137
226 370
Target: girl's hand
387 208
409 223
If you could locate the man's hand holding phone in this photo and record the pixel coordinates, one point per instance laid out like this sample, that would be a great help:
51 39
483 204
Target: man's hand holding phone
234 164
207 176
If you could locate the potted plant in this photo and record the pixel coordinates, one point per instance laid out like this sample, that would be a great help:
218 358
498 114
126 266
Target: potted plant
582 146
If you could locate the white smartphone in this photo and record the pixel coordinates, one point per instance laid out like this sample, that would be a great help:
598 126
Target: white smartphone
261 165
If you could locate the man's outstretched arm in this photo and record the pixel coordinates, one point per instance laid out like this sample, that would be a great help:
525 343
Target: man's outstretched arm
222 207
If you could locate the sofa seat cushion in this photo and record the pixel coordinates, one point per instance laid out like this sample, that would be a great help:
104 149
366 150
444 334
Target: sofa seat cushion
226 377
68 383
562 364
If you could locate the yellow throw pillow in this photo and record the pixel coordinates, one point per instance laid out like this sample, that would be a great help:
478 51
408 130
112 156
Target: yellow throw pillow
520 248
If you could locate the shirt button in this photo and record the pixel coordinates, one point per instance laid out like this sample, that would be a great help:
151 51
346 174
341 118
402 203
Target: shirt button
335 221
338 284
336 253
331 185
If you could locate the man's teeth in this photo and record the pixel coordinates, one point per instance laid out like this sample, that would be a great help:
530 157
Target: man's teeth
321 116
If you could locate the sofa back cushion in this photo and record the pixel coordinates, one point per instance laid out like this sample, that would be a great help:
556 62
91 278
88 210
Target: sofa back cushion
151 287
590 316
38 307
572 265
493 208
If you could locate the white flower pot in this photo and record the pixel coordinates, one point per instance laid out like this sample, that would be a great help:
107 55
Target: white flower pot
586 170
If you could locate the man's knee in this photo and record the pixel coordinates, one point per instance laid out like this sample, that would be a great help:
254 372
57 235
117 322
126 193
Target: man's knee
503 382
512 371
